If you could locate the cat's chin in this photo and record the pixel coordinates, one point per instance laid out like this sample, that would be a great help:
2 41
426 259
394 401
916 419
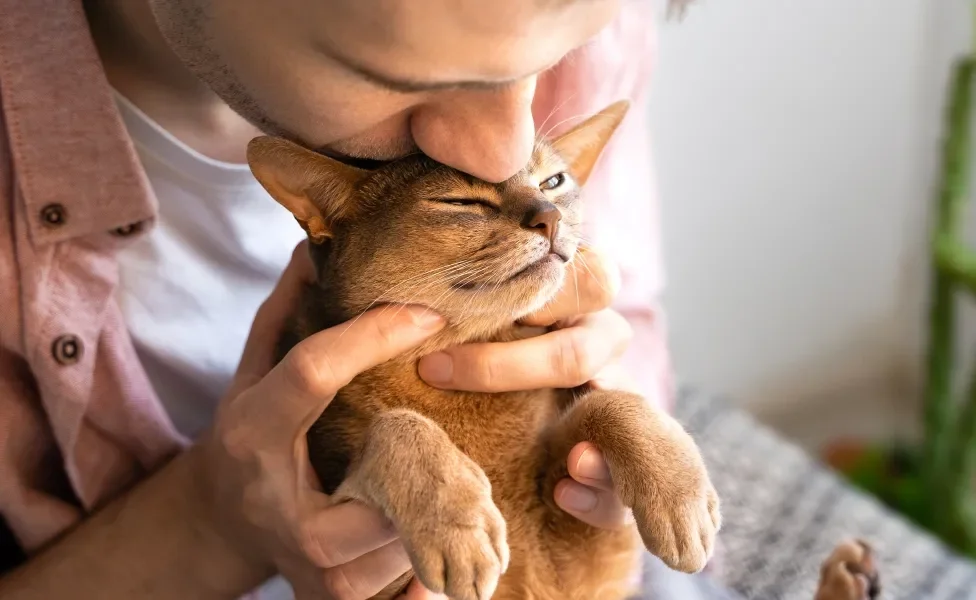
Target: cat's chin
540 290
539 274
549 269
498 321
491 313
473 331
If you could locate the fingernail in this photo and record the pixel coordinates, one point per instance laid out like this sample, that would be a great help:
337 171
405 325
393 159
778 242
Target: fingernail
426 318
592 466
577 498
437 367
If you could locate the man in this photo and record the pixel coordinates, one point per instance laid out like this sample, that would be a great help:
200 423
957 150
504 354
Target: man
135 249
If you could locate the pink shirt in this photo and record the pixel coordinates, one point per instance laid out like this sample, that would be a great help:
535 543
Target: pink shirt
79 420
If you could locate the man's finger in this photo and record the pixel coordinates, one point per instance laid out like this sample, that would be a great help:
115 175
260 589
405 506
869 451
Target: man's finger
598 508
591 284
587 493
342 533
586 465
309 376
561 359
369 574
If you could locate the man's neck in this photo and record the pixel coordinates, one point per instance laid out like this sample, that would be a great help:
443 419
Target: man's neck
141 66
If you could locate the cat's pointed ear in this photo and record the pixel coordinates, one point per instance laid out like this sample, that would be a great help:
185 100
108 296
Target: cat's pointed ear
581 146
316 189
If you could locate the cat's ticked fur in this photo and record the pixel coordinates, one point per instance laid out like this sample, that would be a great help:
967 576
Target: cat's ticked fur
467 478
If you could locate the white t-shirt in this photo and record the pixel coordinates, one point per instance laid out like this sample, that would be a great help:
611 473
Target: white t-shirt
190 288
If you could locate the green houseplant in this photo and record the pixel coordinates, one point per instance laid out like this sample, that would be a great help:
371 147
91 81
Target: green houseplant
932 482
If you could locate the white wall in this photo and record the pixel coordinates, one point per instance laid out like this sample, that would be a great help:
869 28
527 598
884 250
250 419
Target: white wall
795 150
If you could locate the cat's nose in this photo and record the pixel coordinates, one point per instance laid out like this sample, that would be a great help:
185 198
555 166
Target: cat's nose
544 217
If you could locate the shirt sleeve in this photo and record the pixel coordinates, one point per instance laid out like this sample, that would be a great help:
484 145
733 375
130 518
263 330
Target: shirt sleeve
621 215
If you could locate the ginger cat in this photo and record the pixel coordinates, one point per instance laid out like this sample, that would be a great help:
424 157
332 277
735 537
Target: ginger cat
467 478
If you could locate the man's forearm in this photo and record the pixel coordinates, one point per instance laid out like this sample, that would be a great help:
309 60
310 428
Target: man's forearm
154 542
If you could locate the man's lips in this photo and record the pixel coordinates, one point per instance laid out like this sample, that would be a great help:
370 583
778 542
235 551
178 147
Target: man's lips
367 164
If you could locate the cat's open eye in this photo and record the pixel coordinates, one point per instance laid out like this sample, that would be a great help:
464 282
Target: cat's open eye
553 182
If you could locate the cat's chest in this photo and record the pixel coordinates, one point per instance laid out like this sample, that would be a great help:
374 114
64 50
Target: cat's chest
493 429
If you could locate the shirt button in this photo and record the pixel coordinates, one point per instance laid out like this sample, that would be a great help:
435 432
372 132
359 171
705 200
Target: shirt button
67 349
54 215
127 230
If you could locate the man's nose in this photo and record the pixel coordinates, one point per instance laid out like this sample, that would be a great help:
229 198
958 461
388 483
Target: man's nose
486 133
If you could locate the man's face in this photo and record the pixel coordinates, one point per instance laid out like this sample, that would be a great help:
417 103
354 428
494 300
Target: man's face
383 78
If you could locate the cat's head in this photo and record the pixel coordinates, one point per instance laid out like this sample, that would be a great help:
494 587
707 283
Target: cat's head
415 231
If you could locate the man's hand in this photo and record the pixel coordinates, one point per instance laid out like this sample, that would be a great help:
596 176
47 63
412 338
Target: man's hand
588 338
264 495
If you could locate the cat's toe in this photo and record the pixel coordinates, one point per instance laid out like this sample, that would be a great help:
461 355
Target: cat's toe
463 560
462 570
695 542
714 508
681 532
428 566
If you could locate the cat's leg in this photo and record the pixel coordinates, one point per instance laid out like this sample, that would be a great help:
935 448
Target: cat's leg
438 499
656 469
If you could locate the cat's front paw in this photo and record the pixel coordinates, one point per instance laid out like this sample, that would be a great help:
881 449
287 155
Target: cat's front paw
679 524
673 500
458 545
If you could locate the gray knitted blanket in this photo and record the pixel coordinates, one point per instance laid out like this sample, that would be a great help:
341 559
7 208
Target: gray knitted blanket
783 513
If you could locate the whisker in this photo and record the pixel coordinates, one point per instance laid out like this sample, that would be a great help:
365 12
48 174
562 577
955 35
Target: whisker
428 274
467 273
465 308
568 119
422 290
592 274
562 122
554 110
431 276
579 307
451 290
548 162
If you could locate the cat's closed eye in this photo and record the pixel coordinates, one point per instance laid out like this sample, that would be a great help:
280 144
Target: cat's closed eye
553 182
465 203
